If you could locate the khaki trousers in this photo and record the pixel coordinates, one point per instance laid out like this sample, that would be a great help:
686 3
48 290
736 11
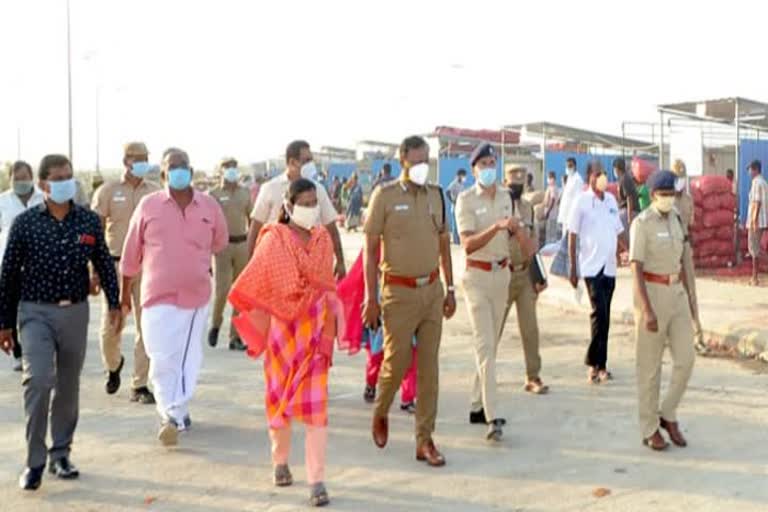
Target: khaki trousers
670 304
227 266
111 341
690 274
407 312
485 294
523 296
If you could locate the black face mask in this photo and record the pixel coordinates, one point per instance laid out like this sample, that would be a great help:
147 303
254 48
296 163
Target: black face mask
515 191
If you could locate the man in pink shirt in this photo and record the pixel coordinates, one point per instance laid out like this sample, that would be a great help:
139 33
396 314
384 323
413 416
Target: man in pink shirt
171 238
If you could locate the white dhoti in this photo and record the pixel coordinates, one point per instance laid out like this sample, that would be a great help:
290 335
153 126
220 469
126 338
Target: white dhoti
173 338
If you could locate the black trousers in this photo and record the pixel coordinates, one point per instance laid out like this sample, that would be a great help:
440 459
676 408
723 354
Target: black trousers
600 289
16 344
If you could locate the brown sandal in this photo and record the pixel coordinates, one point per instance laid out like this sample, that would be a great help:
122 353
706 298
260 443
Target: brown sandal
536 387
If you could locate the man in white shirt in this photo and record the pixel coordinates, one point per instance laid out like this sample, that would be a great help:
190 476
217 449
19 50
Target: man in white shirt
594 219
571 191
22 195
757 221
299 164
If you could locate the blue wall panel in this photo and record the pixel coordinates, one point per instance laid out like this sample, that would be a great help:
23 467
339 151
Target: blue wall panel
342 170
555 161
749 150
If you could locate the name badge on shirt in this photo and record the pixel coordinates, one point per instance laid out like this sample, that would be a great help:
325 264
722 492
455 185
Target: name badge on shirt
481 211
118 199
225 198
401 207
663 235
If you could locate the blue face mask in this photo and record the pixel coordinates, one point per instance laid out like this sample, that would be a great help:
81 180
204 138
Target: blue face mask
140 169
179 178
487 176
62 191
231 174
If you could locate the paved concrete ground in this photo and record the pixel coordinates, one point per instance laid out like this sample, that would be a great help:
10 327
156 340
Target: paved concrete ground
558 449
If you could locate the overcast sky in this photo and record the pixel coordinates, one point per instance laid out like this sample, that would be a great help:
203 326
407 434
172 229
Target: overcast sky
244 77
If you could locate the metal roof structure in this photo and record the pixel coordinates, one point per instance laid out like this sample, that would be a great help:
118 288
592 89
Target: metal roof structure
746 113
553 131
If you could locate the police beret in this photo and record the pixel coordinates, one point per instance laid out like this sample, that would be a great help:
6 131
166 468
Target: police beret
481 151
135 149
227 161
661 180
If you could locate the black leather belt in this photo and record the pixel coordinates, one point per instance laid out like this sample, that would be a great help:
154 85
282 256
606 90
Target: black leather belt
238 239
116 258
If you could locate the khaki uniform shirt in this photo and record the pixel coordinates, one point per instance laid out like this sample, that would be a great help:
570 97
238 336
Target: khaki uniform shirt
237 208
409 220
657 242
684 205
523 211
115 201
476 212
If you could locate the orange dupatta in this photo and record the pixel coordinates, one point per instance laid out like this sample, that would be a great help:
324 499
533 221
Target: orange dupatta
284 279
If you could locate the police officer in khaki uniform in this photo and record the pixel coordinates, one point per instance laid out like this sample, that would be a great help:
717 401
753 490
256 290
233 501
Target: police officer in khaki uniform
407 218
684 206
485 224
115 202
522 291
236 203
662 311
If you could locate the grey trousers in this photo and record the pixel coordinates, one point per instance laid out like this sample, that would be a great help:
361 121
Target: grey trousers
54 340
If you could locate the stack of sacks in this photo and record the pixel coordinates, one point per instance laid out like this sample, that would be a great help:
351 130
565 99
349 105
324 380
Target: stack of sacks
713 228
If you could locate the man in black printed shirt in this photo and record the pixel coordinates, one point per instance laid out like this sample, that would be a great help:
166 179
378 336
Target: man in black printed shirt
44 287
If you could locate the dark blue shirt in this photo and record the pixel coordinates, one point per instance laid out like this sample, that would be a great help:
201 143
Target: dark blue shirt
46 261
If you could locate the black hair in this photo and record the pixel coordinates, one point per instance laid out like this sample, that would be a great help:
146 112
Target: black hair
594 166
756 165
409 143
551 174
461 172
49 162
295 189
386 168
620 165
729 172
18 166
294 149
571 160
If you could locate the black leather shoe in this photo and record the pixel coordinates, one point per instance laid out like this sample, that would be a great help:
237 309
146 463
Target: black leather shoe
237 344
113 378
63 469
369 395
142 395
478 418
213 336
31 478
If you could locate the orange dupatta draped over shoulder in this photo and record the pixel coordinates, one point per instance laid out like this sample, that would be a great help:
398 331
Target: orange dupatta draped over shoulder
284 279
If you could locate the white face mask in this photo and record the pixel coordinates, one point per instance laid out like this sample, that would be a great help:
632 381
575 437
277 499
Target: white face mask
304 216
679 184
418 174
602 183
664 203
309 171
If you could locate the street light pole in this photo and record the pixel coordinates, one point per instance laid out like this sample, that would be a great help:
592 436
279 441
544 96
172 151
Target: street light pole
69 83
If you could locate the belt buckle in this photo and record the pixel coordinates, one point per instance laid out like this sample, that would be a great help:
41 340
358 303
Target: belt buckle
421 282
674 278
495 265
64 303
